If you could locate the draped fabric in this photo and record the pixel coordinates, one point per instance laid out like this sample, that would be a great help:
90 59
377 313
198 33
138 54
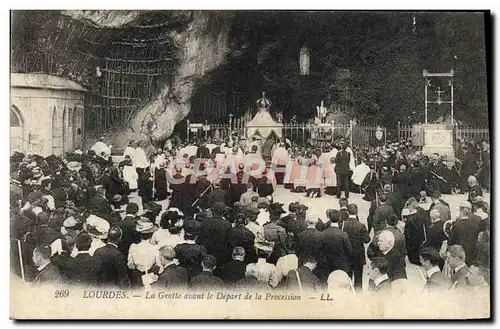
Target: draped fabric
263 124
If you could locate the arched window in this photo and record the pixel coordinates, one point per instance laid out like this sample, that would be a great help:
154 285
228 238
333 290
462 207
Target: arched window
15 117
16 130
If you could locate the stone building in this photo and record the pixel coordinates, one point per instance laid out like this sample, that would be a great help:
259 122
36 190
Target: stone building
46 114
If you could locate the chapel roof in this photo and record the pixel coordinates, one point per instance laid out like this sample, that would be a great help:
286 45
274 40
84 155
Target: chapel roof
43 81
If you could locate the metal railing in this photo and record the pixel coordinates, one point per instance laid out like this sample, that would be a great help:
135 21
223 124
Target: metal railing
297 133
464 133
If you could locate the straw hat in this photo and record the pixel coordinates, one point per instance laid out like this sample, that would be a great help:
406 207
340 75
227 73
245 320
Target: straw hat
144 225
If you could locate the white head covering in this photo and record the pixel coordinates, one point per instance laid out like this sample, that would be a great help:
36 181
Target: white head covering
98 224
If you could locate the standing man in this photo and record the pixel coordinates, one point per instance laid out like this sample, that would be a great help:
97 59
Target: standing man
415 230
440 205
358 235
377 272
48 273
465 231
469 167
435 233
382 214
206 280
309 242
112 270
337 248
436 281
456 259
342 170
303 278
213 234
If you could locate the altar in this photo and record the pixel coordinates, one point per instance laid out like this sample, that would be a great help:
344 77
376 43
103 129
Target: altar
438 138
263 126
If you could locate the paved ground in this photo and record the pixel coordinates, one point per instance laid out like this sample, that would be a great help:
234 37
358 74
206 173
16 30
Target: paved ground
318 206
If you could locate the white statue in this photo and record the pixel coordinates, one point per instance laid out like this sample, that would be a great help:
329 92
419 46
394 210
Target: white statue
304 61
321 112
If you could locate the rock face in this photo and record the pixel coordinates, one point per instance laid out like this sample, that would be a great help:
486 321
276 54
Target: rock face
203 44
104 18
203 47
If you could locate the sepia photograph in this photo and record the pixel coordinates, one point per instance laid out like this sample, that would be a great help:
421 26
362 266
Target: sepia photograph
250 164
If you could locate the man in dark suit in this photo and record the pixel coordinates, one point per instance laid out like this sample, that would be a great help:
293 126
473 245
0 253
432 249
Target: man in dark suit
241 236
234 270
83 269
342 170
213 234
416 179
469 167
474 189
127 225
203 152
436 281
303 279
218 195
399 238
385 248
337 248
358 235
465 231
435 233
415 230
206 280
441 205
47 273
456 259
309 242
112 270
173 275
377 272
393 199
383 212
98 204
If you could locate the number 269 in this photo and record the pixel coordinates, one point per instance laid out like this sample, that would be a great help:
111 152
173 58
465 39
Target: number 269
61 293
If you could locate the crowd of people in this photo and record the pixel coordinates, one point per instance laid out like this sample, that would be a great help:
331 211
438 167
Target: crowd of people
208 220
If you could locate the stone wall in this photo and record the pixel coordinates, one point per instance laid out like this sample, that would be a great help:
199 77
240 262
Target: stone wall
52 120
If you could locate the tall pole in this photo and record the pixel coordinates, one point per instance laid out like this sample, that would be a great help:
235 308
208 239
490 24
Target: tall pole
350 136
187 122
425 101
452 121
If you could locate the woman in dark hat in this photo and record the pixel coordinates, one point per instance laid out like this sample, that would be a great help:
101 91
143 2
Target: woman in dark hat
171 229
275 233
240 236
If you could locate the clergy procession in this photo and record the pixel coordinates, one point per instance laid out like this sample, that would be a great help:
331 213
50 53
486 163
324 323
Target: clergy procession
279 216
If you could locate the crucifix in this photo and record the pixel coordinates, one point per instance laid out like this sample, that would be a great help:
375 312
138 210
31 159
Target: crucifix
439 92
427 76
